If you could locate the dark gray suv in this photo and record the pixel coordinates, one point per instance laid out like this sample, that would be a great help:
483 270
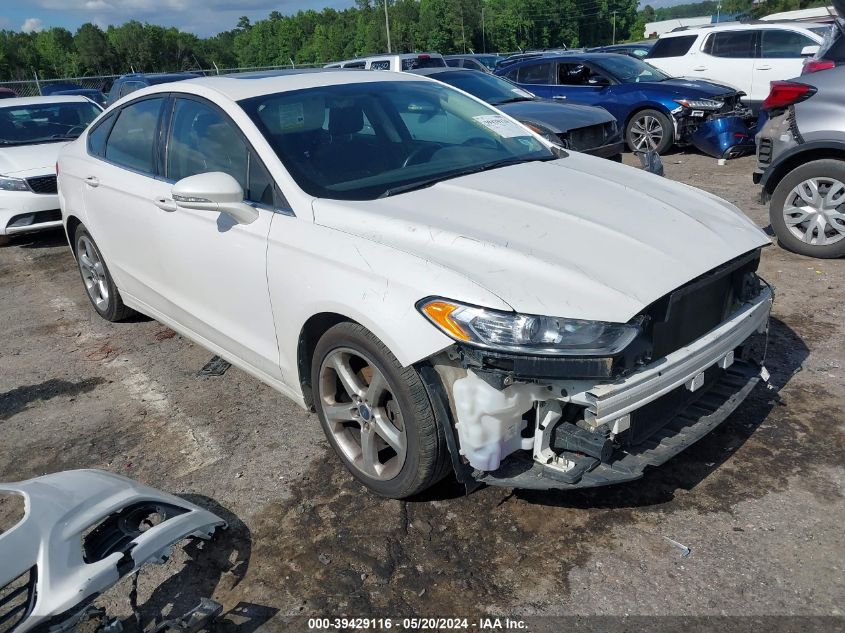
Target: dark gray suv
801 162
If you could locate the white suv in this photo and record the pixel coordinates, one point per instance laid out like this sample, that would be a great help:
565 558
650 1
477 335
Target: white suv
746 56
397 62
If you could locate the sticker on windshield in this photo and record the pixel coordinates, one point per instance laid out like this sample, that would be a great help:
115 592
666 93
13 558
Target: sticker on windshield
500 125
291 116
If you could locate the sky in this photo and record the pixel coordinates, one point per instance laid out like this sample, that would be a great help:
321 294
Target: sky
203 17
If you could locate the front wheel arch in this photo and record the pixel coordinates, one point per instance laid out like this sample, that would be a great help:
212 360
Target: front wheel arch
657 108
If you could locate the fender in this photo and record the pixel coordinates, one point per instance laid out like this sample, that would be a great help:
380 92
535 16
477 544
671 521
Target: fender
775 172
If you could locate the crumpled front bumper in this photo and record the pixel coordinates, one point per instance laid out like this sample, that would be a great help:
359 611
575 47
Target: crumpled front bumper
723 137
73 543
671 403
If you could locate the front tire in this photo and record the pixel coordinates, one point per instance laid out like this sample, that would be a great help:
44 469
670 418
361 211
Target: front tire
98 282
376 414
649 130
807 210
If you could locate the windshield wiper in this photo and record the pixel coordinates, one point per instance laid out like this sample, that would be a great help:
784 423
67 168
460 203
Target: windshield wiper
428 182
512 100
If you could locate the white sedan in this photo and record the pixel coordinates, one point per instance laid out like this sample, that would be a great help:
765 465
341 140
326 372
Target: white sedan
32 131
447 290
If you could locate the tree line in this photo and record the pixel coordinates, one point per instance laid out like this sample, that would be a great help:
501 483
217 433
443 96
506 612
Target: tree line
317 37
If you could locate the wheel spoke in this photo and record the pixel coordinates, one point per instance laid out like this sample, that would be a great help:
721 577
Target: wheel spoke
795 215
835 196
376 388
338 412
368 461
808 191
392 436
85 260
340 363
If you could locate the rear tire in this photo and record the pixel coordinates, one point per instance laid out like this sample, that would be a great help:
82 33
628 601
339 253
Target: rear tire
96 278
807 211
376 414
649 130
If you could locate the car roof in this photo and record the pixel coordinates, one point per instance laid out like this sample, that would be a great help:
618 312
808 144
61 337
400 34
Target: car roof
740 26
28 101
247 85
470 55
442 69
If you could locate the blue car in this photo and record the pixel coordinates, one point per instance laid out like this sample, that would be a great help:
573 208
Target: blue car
655 111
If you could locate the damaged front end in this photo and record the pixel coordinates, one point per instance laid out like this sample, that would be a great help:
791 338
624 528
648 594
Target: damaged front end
541 421
722 127
82 531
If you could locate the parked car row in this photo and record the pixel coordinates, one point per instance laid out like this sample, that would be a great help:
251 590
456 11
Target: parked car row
655 110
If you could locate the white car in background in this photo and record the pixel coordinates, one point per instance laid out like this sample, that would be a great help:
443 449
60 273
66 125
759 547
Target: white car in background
448 290
32 132
746 56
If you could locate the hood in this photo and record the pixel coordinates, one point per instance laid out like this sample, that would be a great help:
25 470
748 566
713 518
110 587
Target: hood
682 87
558 117
30 160
580 237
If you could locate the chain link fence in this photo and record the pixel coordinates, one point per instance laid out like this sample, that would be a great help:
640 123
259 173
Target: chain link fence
36 86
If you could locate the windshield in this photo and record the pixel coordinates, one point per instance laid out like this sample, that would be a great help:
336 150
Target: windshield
489 60
43 123
494 90
629 70
359 141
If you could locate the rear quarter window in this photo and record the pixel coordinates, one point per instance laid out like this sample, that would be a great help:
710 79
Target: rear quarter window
536 73
97 136
672 46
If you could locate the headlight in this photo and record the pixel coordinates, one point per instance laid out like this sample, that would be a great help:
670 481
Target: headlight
701 104
525 333
12 184
546 133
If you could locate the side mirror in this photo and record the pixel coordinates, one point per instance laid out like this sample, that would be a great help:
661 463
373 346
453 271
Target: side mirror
809 51
214 191
597 80
651 162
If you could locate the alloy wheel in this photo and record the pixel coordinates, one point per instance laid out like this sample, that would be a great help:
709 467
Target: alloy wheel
812 211
93 273
362 414
646 133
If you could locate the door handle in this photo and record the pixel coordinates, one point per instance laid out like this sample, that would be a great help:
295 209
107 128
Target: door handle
700 68
763 67
560 97
92 181
165 204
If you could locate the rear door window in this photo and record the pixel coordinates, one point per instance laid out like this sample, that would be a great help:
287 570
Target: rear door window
672 46
536 73
778 44
132 140
731 44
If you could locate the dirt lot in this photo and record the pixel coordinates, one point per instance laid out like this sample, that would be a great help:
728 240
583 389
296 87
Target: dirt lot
759 502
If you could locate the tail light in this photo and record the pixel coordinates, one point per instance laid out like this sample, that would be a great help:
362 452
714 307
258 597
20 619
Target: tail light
815 65
787 93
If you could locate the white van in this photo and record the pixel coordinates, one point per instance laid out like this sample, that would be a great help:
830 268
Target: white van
397 62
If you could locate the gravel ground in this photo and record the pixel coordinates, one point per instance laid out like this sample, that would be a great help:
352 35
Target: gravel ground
759 502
